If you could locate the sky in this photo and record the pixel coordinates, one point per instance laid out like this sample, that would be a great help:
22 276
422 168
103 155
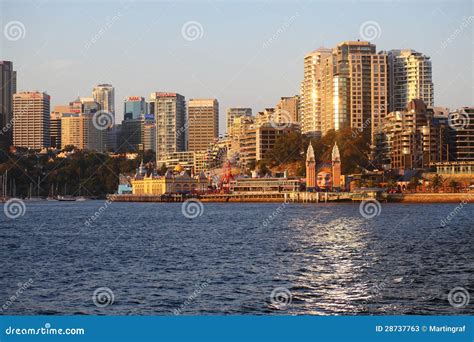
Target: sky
245 54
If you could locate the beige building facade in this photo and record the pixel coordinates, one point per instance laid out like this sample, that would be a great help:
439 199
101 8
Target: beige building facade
203 123
31 116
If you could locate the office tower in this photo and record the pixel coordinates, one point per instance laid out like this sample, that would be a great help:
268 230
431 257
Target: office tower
138 135
203 123
462 123
410 77
170 119
236 112
311 96
55 125
31 114
7 89
134 107
149 134
287 109
78 130
104 94
79 127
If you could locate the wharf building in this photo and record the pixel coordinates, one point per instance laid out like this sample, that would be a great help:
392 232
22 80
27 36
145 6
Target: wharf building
149 183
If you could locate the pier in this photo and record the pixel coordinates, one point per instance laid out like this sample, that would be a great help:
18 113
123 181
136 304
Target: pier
291 197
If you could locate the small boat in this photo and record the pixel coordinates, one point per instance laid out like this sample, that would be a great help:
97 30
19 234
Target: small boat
66 198
81 199
33 199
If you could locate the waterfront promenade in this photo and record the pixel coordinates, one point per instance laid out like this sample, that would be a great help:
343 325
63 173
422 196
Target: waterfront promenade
305 197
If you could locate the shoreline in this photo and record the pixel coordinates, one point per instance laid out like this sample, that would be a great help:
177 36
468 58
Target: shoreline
424 198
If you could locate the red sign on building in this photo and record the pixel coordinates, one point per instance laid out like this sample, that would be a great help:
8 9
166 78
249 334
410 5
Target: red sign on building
165 94
134 98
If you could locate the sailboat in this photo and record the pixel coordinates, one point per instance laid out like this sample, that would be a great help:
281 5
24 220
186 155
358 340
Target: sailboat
66 198
51 194
37 197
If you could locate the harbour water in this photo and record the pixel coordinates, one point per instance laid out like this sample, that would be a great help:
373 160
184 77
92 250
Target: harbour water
235 258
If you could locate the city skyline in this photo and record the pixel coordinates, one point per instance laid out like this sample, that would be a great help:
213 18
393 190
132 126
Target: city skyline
239 71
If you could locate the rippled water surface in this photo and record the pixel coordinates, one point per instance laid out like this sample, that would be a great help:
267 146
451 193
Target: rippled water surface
316 259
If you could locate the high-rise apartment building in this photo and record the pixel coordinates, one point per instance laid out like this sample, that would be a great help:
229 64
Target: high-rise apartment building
203 123
413 138
7 89
287 109
134 107
462 123
236 112
362 78
344 87
31 116
410 77
171 126
311 96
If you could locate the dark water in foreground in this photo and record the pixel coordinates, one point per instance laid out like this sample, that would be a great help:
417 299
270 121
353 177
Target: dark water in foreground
316 259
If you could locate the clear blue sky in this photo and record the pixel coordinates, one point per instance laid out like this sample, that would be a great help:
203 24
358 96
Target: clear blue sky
250 53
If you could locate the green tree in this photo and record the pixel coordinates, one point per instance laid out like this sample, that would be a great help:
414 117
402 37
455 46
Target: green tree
437 182
413 184
453 184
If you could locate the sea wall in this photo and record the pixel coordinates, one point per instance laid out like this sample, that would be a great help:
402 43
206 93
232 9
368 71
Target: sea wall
433 198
